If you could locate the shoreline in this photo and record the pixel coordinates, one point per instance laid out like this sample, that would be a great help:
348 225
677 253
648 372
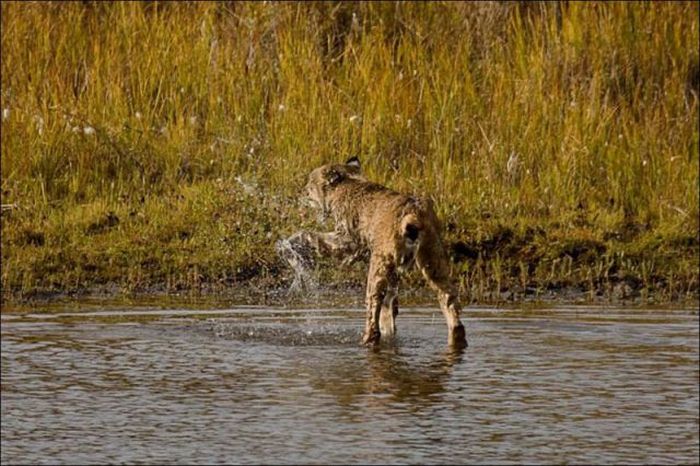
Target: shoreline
332 295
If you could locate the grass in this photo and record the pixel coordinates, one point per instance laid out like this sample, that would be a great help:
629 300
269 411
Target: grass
163 145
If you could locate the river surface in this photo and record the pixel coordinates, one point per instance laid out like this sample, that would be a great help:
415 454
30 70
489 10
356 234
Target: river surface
257 385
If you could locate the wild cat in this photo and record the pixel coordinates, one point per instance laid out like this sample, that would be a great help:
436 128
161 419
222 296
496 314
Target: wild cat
398 231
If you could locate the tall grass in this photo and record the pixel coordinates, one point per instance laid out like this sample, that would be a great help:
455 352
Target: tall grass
195 124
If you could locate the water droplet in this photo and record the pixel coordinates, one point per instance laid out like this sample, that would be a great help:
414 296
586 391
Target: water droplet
299 258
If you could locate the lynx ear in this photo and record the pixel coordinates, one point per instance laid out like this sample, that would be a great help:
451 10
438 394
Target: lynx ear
353 162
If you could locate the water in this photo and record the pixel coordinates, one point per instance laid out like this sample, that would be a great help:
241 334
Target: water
299 256
570 385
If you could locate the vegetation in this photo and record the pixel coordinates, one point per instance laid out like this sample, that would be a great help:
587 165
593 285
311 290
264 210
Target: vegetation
162 146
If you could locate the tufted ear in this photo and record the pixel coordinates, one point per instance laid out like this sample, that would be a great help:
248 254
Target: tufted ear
333 177
353 162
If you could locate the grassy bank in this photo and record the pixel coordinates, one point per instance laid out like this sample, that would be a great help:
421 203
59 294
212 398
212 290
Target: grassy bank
152 146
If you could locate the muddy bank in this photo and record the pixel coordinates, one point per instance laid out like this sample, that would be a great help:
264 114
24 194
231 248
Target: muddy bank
492 264
345 293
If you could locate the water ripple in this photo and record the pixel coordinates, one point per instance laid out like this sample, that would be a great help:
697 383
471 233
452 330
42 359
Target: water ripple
296 387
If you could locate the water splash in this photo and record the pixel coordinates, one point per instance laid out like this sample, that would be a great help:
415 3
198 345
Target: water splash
309 332
299 256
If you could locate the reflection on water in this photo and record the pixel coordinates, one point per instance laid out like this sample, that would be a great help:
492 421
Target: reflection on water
387 371
275 386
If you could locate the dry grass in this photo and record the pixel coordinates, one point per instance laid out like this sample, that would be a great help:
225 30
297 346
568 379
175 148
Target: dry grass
164 144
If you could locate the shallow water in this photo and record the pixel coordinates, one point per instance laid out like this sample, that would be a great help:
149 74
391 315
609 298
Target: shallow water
570 385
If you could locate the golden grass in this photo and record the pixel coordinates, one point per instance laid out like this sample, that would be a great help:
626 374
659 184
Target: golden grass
543 131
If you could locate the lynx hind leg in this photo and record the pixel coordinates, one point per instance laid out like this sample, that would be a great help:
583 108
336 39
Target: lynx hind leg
389 311
382 282
433 263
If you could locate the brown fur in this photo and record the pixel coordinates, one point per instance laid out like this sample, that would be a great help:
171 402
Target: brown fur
398 230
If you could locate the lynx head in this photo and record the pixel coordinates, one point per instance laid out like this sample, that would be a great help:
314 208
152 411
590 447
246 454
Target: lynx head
324 179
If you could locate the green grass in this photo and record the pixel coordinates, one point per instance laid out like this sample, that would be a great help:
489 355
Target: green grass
163 146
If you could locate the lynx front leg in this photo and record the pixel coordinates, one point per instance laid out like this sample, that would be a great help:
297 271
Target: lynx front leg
334 243
301 249
308 244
